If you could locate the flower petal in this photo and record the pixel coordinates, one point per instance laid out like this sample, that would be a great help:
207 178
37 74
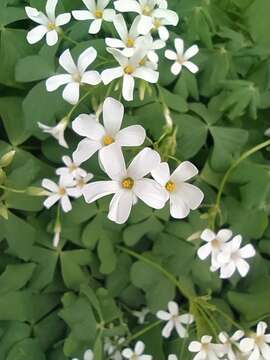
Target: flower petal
88 126
62 19
178 208
191 195
176 68
166 331
139 348
143 163
190 52
54 82
65 203
114 43
109 75
185 171
163 315
91 77
171 55
113 162
242 267
151 193
191 67
145 25
49 185
128 87
204 251
261 328
120 26
179 46
173 308
133 135
86 58
99 189
195 346
95 26
161 173
52 37
67 62
50 8
127 6
82 15
85 150
36 34
163 33
120 206
227 270
181 331
71 93
113 113
247 251
127 353
108 15
51 200
146 74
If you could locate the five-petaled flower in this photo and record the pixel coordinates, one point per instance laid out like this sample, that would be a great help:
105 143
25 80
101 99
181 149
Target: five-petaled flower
137 353
231 343
182 58
96 12
98 137
257 346
205 349
174 320
183 196
57 131
77 75
49 24
72 169
127 184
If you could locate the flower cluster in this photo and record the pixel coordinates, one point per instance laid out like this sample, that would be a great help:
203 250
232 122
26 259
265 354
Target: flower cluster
134 50
226 252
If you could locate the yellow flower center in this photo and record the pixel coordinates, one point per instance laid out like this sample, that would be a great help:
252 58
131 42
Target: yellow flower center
130 42
142 62
98 14
51 26
108 140
77 77
180 60
129 69
72 167
147 10
157 23
80 183
128 183
170 186
61 191
215 244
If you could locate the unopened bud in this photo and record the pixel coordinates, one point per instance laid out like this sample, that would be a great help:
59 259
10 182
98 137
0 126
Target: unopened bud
36 191
6 159
3 211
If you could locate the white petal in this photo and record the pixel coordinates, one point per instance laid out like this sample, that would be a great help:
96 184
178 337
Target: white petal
143 163
131 136
114 43
178 208
88 126
113 113
88 355
145 25
173 308
227 270
51 200
146 74
195 346
163 315
49 185
109 15
91 77
161 173
85 150
83 15
36 34
65 203
120 26
191 195
185 171
172 357
204 251
151 193
95 26
62 19
86 58
67 62
127 6
170 17
139 348
192 51
120 206
261 328
208 235
265 350
237 335
163 33
176 68
171 55
242 267
99 189
224 235
247 251
90 4
128 87
71 93
179 46
119 57
113 162
50 8
191 67
236 243
127 353
247 344
109 75
36 16
54 82
186 319
52 37
181 331
255 355
166 331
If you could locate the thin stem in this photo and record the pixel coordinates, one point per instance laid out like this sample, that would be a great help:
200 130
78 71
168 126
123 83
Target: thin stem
143 331
13 190
168 275
228 318
243 157
67 38
79 102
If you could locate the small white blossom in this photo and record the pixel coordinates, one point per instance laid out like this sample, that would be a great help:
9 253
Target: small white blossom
111 347
233 257
88 355
206 349
49 24
59 192
172 357
72 169
141 315
174 320
153 15
76 76
137 353
182 195
96 12
57 131
214 245
99 137
257 346
127 184
81 182
231 343
129 69
182 58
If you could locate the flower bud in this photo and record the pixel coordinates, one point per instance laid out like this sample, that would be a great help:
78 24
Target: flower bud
6 159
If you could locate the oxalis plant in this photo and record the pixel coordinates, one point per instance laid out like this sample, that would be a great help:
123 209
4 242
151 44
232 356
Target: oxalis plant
134 180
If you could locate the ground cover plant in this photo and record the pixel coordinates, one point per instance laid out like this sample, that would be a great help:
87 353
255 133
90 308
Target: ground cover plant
134 179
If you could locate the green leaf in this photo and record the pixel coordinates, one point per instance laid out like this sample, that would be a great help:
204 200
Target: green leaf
28 349
15 277
106 253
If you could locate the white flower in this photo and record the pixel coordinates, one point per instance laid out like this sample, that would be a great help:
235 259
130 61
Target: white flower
141 315
59 192
233 257
111 347
72 169
182 58
257 346
183 196
49 25
231 343
206 350
99 137
97 12
150 46
137 353
81 182
172 357
127 184
58 131
174 320
154 15
76 76
130 68
214 245
88 355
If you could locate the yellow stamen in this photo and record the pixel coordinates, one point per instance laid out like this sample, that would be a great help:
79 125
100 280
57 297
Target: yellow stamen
157 23
98 14
51 26
108 140
170 186
215 243
80 183
129 69
130 42
61 191
77 77
128 183
143 61
180 60
72 167
147 10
